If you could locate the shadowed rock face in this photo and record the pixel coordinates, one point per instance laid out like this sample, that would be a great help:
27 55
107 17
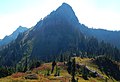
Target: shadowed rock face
56 32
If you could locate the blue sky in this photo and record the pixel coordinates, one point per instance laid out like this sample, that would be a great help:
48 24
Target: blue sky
103 14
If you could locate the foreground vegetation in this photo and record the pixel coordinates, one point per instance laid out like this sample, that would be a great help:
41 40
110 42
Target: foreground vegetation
80 70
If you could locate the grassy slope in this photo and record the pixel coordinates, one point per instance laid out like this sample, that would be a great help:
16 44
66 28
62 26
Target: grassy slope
91 66
64 76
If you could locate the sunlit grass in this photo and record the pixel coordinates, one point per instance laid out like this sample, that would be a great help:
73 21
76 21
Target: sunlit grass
64 76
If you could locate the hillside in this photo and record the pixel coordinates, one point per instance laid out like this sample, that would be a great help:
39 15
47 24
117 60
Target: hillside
111 37
40 73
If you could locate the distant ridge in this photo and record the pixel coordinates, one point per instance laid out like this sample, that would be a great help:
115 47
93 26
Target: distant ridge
7 39
111 37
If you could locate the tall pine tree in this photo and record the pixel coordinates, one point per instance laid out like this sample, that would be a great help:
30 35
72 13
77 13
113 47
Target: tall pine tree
73 70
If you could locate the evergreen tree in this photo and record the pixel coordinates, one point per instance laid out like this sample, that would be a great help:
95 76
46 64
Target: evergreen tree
85 73
61 58
34 64
53 65
73 70
69 64
58 72
48 72
26 64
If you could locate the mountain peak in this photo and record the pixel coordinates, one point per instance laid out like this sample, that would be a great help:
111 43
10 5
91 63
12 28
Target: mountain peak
20 29
65 9
63 13
67 12
65 5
